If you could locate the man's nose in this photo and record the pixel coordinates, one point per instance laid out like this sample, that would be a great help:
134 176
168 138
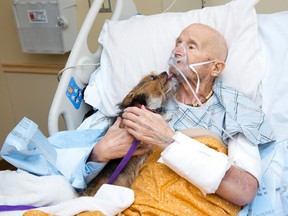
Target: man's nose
179 50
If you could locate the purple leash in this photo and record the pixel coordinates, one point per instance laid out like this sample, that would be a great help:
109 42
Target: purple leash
15 207
123 162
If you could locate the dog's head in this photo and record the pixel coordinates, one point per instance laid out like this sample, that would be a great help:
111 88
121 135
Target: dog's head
151 92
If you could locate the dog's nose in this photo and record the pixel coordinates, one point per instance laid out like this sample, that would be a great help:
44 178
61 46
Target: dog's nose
164 76
164 73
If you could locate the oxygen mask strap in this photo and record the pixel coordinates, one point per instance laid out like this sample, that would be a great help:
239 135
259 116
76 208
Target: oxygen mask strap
191 66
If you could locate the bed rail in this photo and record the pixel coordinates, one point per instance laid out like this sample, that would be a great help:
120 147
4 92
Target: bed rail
68 100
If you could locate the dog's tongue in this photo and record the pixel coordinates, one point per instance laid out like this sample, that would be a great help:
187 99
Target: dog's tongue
170 76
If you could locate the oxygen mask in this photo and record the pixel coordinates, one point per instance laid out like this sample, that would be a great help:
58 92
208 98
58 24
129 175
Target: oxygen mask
179 65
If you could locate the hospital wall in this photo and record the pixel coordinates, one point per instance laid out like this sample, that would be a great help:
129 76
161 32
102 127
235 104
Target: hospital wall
28 81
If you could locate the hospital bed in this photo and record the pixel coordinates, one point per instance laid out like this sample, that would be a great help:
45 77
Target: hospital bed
132 45
68 100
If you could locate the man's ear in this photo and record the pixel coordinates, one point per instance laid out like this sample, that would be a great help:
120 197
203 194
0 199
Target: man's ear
218 68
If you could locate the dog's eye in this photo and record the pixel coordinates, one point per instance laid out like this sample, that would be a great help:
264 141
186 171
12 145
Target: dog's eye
153 77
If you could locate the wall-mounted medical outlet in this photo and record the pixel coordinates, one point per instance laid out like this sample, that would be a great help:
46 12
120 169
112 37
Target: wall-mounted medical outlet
46 26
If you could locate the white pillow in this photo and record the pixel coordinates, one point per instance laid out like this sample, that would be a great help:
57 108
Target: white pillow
141 44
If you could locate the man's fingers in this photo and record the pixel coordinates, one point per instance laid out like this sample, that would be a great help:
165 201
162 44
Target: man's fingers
117 122
143 149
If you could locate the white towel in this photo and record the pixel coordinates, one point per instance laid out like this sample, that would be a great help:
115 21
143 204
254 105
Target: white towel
22 188
57 194
109 199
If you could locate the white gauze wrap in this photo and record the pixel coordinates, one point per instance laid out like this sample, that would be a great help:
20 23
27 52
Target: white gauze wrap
245 156
202 166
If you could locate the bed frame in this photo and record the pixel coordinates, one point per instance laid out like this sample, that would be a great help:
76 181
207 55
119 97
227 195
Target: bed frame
68 100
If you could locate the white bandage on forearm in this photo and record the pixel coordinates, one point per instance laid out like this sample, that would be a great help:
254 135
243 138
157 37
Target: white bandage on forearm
202 166
245 155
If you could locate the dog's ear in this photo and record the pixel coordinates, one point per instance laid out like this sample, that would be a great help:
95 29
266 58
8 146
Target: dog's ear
133 100
127 100
140 99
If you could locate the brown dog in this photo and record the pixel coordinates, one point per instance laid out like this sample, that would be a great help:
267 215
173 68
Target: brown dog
152 92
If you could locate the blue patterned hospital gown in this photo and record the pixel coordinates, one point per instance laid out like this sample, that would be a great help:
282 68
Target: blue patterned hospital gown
227 109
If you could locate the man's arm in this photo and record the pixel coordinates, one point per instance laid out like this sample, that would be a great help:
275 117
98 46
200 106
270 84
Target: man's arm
238 186
210 170
207 169
246 162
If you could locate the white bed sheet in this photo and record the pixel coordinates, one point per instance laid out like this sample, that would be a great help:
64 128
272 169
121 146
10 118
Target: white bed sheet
273 32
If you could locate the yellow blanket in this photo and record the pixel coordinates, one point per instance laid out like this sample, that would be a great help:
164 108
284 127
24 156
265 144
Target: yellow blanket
160 191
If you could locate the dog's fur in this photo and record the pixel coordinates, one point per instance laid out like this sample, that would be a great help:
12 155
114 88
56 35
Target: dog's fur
152 92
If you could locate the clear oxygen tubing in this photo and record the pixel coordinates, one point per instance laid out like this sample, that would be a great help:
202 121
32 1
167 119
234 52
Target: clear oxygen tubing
73 66
171 5
191 66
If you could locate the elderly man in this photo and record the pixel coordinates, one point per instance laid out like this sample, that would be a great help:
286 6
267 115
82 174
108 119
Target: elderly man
199 55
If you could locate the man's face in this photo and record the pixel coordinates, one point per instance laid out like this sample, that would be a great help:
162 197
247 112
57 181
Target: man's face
190 48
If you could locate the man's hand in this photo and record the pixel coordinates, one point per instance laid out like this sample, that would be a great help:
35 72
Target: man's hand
148 127
115 144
